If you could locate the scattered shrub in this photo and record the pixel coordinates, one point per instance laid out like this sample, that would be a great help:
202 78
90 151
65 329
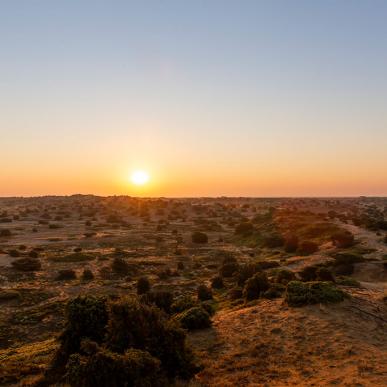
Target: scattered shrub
255 286
343 239
235 293
183 303
5 233
244 229
344 269
27 264
204 293
13 253
199 237
105 368
143 285
33 254
284 276
246 271
120 266
303 293
194 318
162 299
347 258
275 291
264 265
66 274
87 275
308 273
217 282
324 274
291 244
348 281
307 248
273 240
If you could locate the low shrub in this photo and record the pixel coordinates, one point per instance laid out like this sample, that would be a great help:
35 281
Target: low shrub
343 239
199 237
284 276
324 274
275 291
303 293
291 243
120 266
244 229
183 303
143 285
66 274
235 293
33 254
273 240
5 233
27 264
204 293
162 299
245 272
105 368
348 281
264 265
307 248
217 282
255 286
347 258
344 269
87 275
14 253
308 273
194 318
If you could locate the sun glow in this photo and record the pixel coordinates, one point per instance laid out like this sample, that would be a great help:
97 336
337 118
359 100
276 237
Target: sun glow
139 177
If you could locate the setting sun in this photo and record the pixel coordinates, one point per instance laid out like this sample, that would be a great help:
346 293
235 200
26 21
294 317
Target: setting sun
139 177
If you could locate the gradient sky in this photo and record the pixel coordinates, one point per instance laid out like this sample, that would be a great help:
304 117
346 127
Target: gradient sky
241 98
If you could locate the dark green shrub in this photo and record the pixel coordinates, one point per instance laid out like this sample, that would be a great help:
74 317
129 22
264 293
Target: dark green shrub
275 291
135 325
33 254
343 239
284 276
347 258
13 253
183 303
244 229
199 237
208 306
162 299
87 275
134 368
303 293
66 274
194 318
348 281
308 273
307 248
344 269
217 282
324 274
228 269
264 265
5 233
204 293
291 243
255 286
27 264
235 293
143 285
246 271
273 240
120 266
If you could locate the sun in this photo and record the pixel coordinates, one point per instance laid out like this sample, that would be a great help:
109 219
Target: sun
139 177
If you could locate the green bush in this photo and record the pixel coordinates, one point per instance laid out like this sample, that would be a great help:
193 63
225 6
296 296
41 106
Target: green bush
246 271
87 275
120 266
204 293
27 264
284 276
134 368
244 229
194 318
199 237
183 303
324 274
343 239
291 243
162 299
347 258
66 274
307 248
255 286
275 291
143 285
348 281
303 293
135 325
217 282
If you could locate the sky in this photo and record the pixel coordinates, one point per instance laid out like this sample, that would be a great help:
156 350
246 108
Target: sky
211 98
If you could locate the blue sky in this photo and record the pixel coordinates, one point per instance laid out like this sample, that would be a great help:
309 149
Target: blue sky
238 95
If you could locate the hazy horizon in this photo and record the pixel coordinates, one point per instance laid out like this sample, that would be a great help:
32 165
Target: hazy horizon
220 98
